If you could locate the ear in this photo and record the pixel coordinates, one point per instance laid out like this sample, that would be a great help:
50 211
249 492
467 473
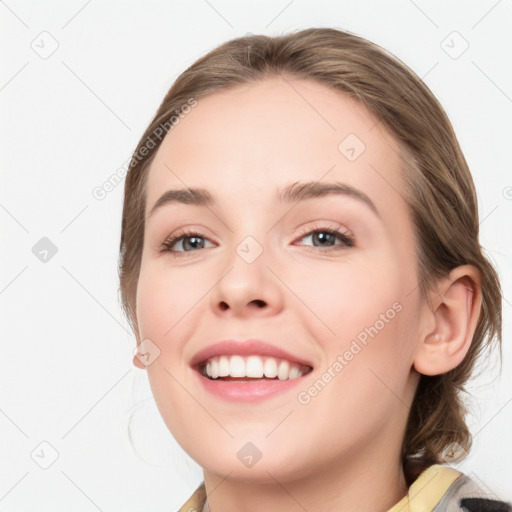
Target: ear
456 309
136 361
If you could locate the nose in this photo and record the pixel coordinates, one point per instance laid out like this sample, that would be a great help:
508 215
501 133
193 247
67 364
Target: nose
247 286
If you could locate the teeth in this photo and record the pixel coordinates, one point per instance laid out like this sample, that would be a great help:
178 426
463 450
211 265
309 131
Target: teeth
283 371
223 366
236 366
294 373
214 368
270 368
255 367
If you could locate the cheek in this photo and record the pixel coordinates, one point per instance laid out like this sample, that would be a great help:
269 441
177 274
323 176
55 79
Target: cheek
351 296
367 318
164 304
152 305
165 298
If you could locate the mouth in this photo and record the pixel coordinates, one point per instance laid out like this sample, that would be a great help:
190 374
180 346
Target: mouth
251 368
249 371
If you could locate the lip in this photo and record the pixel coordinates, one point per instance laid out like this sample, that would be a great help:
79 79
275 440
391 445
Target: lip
246 391
244 348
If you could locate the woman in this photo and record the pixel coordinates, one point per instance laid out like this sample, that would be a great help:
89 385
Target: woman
301 266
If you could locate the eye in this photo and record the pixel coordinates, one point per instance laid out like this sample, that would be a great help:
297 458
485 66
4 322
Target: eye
191 240
187 239
326 237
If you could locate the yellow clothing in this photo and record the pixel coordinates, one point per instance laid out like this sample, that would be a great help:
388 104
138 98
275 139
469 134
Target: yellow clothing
437 489
427 490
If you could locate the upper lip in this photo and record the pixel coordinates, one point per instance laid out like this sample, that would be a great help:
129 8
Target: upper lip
245 348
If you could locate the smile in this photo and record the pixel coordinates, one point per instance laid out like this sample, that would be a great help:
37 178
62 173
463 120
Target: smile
252 367
248 371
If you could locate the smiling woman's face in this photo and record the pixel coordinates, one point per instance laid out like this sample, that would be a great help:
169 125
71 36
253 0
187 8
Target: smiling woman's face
264 268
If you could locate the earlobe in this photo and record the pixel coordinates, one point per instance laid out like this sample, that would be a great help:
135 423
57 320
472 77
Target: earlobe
457 304
136 361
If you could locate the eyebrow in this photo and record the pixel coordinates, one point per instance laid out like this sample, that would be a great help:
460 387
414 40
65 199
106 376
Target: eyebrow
295 192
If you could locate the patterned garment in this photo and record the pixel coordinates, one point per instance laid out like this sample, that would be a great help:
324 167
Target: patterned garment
444 489
437 489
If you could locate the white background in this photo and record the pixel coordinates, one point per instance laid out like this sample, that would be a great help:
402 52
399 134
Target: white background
70 120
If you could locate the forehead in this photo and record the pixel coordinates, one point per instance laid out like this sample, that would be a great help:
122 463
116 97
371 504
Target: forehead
246 142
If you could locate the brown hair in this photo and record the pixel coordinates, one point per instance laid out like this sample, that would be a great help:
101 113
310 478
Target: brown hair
441 193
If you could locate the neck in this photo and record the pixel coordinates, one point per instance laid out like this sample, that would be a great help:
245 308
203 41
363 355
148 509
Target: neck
368 484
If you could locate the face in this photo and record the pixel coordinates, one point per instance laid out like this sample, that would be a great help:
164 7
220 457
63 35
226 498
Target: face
329 277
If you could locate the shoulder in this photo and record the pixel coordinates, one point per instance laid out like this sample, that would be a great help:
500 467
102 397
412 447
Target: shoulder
442 488
465 495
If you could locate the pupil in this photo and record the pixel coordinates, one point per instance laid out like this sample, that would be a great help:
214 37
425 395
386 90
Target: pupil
323 235
196 238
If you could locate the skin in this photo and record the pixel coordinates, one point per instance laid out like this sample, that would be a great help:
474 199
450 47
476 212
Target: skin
340 451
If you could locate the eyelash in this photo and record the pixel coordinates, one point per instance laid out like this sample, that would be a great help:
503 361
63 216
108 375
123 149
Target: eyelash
347 240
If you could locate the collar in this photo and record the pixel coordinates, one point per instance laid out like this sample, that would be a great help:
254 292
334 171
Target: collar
423 495
427 490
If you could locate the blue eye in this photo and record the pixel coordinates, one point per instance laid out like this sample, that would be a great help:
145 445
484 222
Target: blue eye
194 240
329 235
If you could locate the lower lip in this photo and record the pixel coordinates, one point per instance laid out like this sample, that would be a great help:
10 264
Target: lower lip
248 391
